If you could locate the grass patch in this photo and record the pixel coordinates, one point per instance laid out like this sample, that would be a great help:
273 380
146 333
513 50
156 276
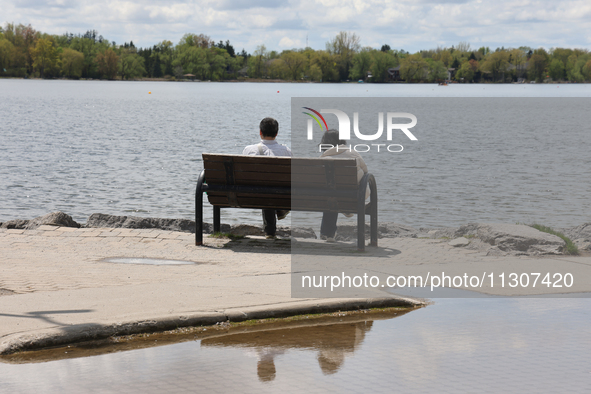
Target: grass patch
570 247
233 237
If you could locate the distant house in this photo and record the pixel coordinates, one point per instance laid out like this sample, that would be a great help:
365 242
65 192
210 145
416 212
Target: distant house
394 74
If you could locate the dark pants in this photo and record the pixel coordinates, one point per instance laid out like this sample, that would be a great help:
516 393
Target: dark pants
328 227
270 221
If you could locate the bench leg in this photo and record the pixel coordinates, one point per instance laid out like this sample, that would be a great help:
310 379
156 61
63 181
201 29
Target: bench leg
216 219
361 227
374 223
199 218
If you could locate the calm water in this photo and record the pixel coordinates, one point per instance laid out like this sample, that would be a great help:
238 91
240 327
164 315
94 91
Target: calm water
95 146
456 346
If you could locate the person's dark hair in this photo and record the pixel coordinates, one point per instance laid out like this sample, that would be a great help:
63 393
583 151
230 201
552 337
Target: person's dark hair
331 137
269 127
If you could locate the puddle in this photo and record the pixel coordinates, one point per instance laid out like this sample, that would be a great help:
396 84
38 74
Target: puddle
133 260
455 345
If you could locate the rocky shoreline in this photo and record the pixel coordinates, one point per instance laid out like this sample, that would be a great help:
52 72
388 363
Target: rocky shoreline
494 239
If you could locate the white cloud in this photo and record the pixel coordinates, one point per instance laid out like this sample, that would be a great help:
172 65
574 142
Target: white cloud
407 24
288 43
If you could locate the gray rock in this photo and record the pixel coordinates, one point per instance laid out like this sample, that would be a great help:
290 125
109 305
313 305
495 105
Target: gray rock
458 242
246 229
17 224
300 232
515 238
582 244
103 220
184 225
580 232
51 219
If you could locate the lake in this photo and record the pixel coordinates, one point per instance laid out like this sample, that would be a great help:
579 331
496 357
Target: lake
496 153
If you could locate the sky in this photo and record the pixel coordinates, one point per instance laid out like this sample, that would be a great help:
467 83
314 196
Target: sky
411 25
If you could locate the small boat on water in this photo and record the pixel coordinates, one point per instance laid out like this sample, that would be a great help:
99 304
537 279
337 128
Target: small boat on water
442 83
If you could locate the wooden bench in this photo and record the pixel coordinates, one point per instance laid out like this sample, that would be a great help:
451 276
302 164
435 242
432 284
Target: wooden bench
295 184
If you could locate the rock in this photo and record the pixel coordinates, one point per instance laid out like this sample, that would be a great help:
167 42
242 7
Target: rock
393 230
515 238
441 233
303 232
103 220
458 242
246 229
17 224
582 244
112 221
51 219
580 232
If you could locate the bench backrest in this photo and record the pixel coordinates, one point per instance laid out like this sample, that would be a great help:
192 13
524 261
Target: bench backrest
264 173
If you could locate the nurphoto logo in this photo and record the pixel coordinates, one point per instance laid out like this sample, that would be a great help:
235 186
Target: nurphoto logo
345 129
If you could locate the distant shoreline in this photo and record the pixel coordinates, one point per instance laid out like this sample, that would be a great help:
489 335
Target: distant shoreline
263 80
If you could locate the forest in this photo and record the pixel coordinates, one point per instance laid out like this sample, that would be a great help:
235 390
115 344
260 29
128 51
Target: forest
27 53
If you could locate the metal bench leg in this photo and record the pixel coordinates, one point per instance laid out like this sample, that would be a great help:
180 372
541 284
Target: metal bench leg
374 211
199 210
216 219
361 226
199 219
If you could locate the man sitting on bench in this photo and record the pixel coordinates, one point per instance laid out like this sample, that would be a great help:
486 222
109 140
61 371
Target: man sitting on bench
268 130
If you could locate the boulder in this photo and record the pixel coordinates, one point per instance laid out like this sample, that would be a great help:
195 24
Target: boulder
580 232
515 238
459 242
246 229
303 232
51 219
103 220
582 244
184 225
17 224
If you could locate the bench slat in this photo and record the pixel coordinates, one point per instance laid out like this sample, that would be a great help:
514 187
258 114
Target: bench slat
281 169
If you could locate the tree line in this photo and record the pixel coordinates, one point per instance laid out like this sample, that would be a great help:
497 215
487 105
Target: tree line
25 52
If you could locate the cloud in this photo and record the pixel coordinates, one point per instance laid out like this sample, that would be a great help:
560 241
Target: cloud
408 24
287 42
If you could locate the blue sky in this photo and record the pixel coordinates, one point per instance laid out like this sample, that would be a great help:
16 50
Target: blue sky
404 24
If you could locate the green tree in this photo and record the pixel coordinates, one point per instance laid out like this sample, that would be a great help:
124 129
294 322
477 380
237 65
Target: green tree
72 63
131 65
361 64
587 70
437 70
556 70
163 54
107 62
327 65
192 60
344 47
538 62
381 62
294 63
45 57
413 68
257 63
90 48
496 64
6 54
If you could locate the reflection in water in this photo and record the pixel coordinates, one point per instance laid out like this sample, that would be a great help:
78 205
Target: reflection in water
457 345
332 342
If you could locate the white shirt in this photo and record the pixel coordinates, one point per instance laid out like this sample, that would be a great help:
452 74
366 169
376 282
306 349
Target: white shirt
267 148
